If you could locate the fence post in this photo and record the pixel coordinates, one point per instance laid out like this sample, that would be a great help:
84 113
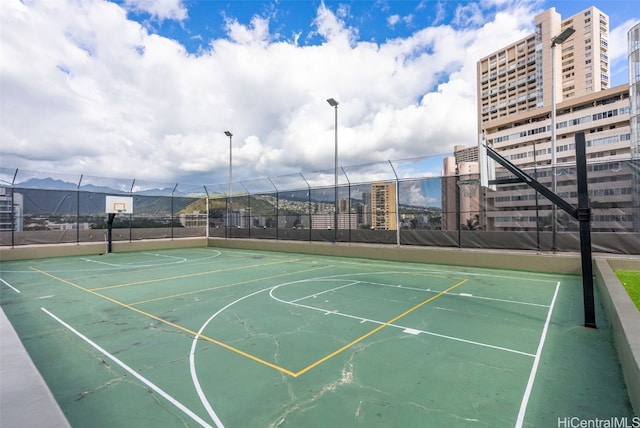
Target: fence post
78 210
309 205
397 203
458 216
277 209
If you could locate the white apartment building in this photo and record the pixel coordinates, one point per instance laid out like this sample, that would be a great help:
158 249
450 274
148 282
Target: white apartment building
519 77
515 111
525 139
11 211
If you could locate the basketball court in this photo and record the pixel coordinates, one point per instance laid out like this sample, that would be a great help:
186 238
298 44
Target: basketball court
238 338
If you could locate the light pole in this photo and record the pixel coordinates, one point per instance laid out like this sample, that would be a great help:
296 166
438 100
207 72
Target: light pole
333 103
230 135
557 40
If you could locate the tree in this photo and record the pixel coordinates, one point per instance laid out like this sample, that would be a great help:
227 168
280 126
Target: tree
473 223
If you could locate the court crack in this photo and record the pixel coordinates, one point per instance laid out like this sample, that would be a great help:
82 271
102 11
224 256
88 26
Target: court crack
107 384
346 378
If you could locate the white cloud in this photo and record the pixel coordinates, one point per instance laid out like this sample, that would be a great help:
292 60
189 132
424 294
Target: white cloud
618 56
468 15
87 91
393 20
159 9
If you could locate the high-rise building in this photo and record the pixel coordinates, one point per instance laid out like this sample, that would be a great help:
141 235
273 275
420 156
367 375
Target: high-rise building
11 211
634 96
383 206
461 204
517 109
634 88
519 77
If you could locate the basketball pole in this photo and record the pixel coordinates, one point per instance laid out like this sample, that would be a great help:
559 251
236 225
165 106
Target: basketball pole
584 217
582 213
112 216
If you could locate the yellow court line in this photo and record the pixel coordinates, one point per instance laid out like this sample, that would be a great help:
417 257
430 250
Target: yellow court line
179 327
187 275
377 329
186 293
245 354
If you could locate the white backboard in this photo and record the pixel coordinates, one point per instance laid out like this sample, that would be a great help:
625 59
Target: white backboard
119 205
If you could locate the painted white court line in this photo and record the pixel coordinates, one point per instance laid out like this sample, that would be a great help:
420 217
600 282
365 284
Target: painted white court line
9 285
168 256
538 276
325 291
192 359
472 296
101 262
176 260
138 376
536 362
403 287
403 328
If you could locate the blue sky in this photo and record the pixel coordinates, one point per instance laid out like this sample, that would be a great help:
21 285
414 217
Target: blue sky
146 88
204 20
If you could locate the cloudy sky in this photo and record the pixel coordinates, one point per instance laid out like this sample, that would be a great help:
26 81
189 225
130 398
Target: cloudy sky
146 88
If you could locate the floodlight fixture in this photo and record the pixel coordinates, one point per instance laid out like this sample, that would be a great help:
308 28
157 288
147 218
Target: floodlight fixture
562 37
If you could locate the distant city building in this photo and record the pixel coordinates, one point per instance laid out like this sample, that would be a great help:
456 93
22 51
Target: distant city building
465 154
383 206
11 209
634 88
634 96
52 225
464 200
193 220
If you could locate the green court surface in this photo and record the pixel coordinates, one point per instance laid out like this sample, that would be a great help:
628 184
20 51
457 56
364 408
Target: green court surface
208 337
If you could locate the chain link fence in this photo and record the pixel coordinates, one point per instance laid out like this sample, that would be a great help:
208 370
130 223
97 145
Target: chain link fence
405 202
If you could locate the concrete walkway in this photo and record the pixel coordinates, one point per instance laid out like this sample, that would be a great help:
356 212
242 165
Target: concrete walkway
25 399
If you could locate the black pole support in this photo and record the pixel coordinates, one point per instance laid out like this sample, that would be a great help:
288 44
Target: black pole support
582 214
110 228
584 217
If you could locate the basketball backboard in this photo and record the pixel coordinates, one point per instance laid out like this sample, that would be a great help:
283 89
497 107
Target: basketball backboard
486 164
119 205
